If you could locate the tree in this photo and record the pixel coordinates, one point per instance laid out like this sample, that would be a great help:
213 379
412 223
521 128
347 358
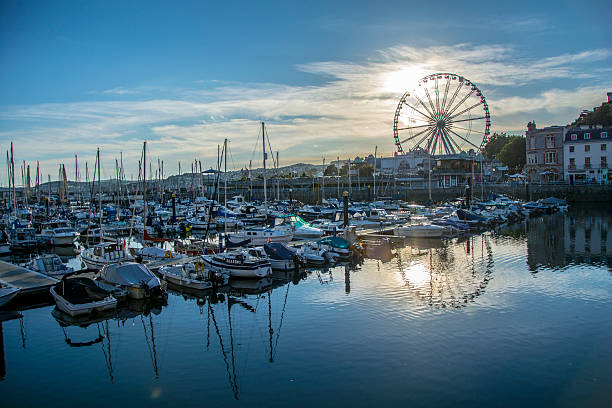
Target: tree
331 170
601 115
495 144
366 170
513 154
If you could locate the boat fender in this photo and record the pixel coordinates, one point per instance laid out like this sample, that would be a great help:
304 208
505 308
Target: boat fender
199 266
168 254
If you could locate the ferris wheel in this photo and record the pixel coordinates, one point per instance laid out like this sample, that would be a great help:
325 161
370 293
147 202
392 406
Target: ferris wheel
444 114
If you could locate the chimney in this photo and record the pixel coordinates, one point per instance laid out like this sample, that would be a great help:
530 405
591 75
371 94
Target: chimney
531 126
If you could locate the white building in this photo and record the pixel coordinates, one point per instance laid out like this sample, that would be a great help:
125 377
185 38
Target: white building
586 155
402 163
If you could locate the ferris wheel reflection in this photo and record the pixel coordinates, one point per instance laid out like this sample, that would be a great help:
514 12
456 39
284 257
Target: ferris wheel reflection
451 275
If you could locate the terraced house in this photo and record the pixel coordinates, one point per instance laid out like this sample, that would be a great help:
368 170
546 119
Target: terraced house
544 150
586 155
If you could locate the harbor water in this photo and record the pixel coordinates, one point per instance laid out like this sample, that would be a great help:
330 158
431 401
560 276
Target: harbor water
518 316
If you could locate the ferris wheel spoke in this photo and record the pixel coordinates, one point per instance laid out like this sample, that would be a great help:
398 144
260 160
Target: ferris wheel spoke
425 106
427 116
414 127
463 138
466 120
445 95
469 130
449 141
429 141
466 110
452 141
444 142
430 102
424 138
450 112
437 98
450 103
417 135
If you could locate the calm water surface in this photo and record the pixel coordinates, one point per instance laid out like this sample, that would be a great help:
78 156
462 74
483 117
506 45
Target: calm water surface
518 316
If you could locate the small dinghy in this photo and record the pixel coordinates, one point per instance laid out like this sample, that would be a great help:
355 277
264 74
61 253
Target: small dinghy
137 279
50 265
7 292
81 296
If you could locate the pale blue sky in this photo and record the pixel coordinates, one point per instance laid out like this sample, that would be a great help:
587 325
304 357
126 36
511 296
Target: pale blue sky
325 76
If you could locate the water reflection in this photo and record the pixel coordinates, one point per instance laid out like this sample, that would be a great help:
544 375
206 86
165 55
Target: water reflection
450 275
578 237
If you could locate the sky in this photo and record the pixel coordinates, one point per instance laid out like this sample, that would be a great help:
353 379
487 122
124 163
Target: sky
324 76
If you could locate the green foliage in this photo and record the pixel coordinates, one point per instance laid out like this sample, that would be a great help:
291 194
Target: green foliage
331 170
600 116
513 154
366 170
495 144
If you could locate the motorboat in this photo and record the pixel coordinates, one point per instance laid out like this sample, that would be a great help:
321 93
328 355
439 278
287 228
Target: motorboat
239 264
22 238
7 292
148 254
193 275
105 253
281 258
58 233
50 265
261 236
136 278
421 231
336 246
80 296
300 228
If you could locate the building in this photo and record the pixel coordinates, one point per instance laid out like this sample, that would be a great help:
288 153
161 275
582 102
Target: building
408 163
586 155
544 150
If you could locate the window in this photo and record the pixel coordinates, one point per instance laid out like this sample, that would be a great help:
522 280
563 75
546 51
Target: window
587 136
532 158
587 162
571 149
603 147
550 157
604 162
604 135
587 148
550 141
532 142
574 136
572 163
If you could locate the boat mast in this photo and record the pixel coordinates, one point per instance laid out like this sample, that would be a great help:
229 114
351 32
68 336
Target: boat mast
144 185
263 140
99 193
225 190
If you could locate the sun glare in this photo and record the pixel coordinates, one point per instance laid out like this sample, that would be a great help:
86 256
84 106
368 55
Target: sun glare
402 80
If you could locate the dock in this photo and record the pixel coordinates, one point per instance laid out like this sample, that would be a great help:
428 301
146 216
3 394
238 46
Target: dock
28 281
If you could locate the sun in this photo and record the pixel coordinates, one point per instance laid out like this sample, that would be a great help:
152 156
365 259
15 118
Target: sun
401 80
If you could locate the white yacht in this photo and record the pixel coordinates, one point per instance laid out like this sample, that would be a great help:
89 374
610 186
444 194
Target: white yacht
105 253
239 264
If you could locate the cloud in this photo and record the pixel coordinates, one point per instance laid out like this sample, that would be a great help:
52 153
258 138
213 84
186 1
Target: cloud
347 115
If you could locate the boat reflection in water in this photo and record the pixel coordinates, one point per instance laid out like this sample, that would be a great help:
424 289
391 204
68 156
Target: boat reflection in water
101 333
450 274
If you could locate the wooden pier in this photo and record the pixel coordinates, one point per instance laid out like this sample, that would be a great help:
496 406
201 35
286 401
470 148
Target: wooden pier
29 282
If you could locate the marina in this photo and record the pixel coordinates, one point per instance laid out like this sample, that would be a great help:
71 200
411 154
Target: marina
305 204
491 299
